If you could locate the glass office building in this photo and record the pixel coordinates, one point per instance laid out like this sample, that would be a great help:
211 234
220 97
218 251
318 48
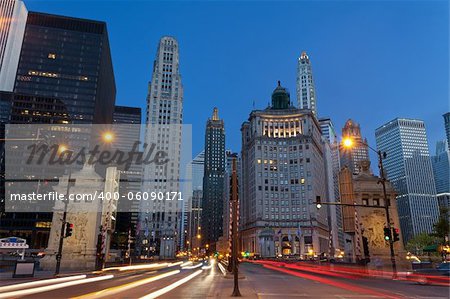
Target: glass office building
408 167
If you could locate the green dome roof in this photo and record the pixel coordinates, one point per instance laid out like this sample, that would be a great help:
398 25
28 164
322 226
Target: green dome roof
280 98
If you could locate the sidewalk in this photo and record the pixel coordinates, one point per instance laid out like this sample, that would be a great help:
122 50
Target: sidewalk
225 286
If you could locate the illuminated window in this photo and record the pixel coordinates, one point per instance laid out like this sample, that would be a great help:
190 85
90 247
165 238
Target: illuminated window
51 56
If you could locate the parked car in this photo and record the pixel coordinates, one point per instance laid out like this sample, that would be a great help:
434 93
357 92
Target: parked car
440 274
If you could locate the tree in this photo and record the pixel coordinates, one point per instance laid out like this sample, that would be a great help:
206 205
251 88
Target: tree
420 241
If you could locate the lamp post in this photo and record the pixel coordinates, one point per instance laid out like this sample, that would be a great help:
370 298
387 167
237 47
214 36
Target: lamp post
234 248
348 143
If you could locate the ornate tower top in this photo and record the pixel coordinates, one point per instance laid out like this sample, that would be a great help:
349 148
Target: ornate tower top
280 97
215 114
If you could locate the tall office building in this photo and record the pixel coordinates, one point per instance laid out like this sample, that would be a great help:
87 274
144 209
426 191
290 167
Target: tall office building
68 59
283 171
127 130
441 167
13 17
213 180
447 126
160 221
441 170
195 211
408 167
358 152
332 168
64 75
306 92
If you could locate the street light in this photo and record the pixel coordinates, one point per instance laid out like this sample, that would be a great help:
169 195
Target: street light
108 137
349 143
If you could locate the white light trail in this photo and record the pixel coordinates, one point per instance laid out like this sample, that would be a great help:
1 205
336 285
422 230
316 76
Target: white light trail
222 268
53 287
143 267
122 288
39 283
186 264
171 286
192 267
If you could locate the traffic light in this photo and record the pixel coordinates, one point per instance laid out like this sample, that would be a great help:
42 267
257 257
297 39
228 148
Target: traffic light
396 234
69 229
387 234
366 247
318 202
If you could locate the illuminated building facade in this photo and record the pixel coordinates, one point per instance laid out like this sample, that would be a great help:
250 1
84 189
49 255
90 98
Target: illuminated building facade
283 171
306 91
161 221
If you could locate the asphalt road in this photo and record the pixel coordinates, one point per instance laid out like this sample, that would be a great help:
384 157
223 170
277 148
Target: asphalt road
257 281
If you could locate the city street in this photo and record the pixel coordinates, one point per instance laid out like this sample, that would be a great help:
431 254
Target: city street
203 281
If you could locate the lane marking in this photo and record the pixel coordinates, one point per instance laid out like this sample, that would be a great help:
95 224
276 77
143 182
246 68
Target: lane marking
125 287
54 287
171 286
40 283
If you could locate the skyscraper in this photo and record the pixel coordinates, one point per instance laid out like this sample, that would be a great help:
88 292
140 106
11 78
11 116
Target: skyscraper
332 168
408 167
159 220
195 211
447 126
213 180
127 130
13 16
51 46
51 88
359 151
441 167
283 172
306 92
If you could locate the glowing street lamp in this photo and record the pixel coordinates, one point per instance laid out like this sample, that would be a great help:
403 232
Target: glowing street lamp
108 137
348 142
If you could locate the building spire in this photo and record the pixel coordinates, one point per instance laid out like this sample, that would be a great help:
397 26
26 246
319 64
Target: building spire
215 114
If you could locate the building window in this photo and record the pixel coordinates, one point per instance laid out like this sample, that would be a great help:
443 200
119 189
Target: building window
51 56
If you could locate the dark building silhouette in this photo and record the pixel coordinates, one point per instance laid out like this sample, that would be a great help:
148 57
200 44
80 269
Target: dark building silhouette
213 181
64 76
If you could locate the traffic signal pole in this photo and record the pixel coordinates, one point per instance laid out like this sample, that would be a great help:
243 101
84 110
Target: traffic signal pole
387 204
63 226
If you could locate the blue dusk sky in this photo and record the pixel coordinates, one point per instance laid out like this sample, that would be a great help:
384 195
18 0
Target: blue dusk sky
372 61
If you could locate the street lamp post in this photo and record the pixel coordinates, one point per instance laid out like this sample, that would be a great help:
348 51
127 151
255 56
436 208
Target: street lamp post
234 248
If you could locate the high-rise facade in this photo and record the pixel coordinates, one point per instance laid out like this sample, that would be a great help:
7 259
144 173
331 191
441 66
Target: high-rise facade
68 59
447 126
13 17
351 157
195 211
306 91
127 130
283 172
64 75
160 224
408 167
213 180
332 168
441 167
